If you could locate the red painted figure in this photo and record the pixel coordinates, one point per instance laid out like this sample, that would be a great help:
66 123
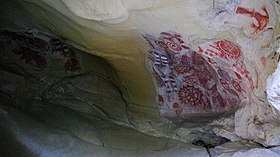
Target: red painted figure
158 79
72 64
262 19
31 56
193 82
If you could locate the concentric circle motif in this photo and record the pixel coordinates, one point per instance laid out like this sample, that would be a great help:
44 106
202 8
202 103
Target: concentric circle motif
195 82
230 49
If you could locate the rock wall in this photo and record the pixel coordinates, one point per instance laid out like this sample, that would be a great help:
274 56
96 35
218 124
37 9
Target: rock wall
179 70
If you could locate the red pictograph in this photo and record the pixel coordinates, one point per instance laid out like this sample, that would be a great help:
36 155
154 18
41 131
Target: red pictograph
190 80
200 49
262 19
211 53
236 86
171 36
205 75
200 69
181 69
158 79
161 44
173 46
218 100
224 83
228 48
31 57
197 59
189 95
185 59
234 94
263 61
72 64
238 76
173 41
243 70
204 79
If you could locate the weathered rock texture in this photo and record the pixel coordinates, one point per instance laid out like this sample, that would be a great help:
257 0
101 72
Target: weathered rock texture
139 78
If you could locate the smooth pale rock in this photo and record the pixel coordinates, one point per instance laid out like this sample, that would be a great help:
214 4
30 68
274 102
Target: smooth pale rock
97 10
273 88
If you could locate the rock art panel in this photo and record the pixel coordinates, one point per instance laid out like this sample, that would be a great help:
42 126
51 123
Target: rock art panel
252 18
37 50
262 19
211 78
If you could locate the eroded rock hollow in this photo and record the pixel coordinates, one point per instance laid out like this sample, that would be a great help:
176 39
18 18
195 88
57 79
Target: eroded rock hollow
139 78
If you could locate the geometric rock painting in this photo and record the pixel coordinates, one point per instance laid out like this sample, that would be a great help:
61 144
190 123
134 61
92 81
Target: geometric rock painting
211 79
261 19
253 20
36 50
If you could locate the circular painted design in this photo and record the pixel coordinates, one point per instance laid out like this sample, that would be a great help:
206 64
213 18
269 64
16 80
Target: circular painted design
190 95
229 48
195 82
37 43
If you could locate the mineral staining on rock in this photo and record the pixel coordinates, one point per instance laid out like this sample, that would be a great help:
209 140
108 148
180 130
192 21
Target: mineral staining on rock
211 79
